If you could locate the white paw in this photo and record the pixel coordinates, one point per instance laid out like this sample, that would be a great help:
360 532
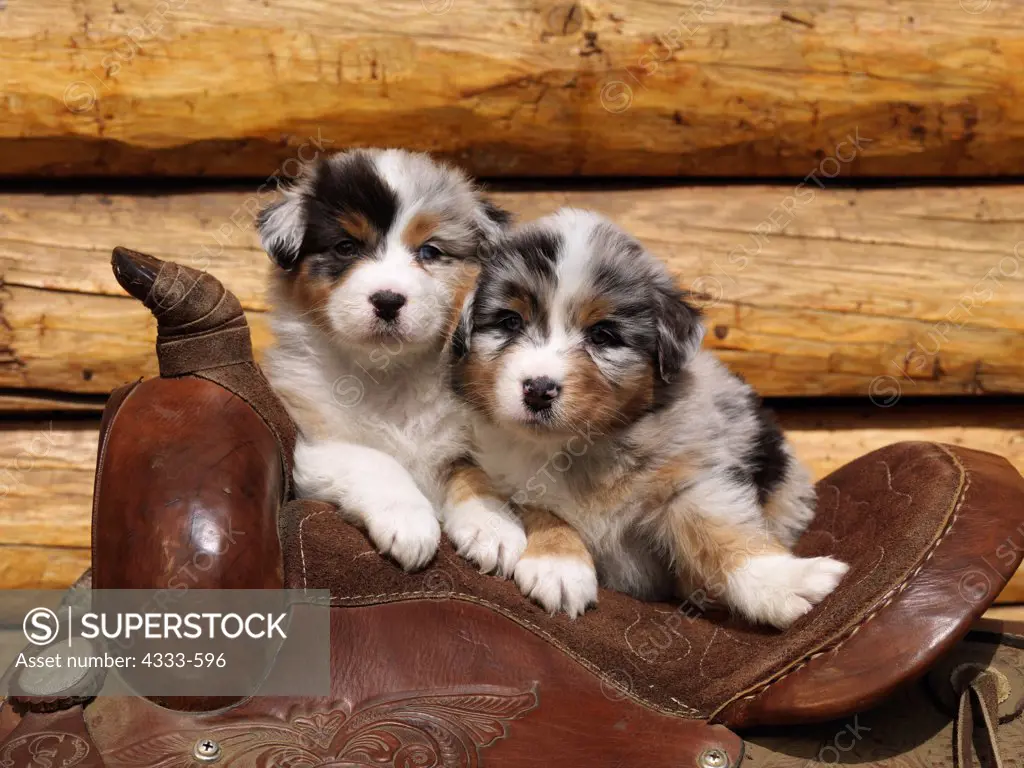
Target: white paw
409 534
485 537
558 583
779 589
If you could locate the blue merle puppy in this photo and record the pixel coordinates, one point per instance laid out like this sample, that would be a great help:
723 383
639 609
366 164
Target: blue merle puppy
637 460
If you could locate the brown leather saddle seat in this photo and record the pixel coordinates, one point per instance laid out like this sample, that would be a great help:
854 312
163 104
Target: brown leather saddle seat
927 528
921 524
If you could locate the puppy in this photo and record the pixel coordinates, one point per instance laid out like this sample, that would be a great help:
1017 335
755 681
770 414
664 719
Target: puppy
637 458
375 252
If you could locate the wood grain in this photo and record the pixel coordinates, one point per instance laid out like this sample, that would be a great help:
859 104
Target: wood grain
1014 613
827 436
46 472
39 567
886 292
519 88
46 476
42 403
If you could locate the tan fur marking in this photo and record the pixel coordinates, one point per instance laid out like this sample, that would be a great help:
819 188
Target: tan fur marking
522 307
590 399
708 551
651 490
548 535
359 227
606 498
587 395
479 377
592 311
661 484
419 229
636 394
308 293
521 303
312 293
305 414
467 481
466 281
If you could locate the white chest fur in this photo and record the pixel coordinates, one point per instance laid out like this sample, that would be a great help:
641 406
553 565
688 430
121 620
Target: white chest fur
588 487
407 411
529 472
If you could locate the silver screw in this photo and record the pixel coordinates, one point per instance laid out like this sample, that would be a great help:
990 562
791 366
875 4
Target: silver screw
713 758
206 751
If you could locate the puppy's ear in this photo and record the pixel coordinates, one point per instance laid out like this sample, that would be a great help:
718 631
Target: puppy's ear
492 220
282 226
679 330
496 213
463 330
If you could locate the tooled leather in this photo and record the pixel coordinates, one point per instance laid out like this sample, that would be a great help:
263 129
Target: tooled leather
682 708
908 610
393 683
53 740
453 728
475 599
720 641
832 646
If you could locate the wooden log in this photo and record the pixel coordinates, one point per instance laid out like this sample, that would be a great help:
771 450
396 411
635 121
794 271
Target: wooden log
46 503
41 403
521 88
46 475
47 471
36 567
827 436
1014 591
1014 613
883 292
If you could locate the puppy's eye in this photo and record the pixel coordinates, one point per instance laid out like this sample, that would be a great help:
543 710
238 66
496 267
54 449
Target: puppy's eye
603 335
429 252
345 247
510 321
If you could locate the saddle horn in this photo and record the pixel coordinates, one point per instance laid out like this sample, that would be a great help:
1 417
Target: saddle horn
200 323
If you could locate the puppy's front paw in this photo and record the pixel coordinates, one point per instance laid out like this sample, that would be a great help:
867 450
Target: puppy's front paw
409 534
779 589
485 537
558 583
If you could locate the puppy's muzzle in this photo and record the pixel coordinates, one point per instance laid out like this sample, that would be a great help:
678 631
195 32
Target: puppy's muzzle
540 393
387 304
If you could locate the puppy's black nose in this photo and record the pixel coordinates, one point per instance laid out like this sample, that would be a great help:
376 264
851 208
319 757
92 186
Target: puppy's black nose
387 303
540 393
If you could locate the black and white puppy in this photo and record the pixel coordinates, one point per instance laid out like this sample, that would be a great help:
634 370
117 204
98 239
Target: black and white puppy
375 252
637 458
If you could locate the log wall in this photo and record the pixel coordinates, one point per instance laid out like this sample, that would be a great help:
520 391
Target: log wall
885 293
519 88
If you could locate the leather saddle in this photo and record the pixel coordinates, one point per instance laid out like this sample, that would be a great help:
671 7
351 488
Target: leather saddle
448 667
